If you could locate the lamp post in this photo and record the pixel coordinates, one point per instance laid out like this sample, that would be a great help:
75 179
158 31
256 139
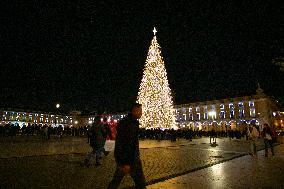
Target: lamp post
57 116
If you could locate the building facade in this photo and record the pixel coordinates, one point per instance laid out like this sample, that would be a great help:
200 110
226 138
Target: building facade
232 113
22 117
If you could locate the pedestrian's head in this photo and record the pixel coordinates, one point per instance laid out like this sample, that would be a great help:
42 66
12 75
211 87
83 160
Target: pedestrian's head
136 110
265 125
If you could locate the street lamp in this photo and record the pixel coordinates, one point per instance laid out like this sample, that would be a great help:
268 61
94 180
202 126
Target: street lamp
56 117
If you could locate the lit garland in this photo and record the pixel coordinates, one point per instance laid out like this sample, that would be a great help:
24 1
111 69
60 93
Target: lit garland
155 93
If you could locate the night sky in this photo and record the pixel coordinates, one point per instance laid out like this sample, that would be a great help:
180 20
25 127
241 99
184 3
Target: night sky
89 55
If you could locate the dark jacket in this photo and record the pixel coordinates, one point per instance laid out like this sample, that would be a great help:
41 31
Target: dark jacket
266 130
126 150
97 139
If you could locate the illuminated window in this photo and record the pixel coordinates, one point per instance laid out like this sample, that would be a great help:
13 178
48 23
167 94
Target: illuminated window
241 113
18 116
177 115
198 116
197 109
190 114
241 105
183 114
197 113
66 119
4 116
241 110
222 114
251 103
205 112
24 117
232 113
52 119
41 118
205 115
213 112
11 116
35 118
252 112
30 117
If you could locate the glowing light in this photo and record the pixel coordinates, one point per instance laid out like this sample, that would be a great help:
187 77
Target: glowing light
57 105
212 114
154 92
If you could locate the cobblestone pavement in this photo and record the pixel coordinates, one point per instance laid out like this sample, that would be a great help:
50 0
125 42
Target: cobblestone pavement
243 172
183 164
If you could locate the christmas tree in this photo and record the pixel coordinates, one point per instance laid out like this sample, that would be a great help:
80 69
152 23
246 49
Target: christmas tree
154 92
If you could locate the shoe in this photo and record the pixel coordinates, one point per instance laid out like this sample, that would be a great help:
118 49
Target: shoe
106 153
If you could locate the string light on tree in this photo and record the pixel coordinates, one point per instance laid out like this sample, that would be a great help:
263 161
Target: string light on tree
154 92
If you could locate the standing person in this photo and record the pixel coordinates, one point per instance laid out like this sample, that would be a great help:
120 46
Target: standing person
60 132
126 151
253 134
213 135
267 135
89 133
106 133
48 132
96 141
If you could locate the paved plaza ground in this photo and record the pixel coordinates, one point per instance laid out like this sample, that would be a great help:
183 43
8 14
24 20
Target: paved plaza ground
33 163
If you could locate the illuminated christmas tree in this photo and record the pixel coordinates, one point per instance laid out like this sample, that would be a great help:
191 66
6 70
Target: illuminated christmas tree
154 92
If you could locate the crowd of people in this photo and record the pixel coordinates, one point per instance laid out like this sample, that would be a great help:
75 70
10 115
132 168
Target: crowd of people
46 131
127 134
43 130
173 135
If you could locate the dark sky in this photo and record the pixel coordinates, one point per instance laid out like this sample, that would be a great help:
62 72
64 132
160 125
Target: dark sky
89 55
